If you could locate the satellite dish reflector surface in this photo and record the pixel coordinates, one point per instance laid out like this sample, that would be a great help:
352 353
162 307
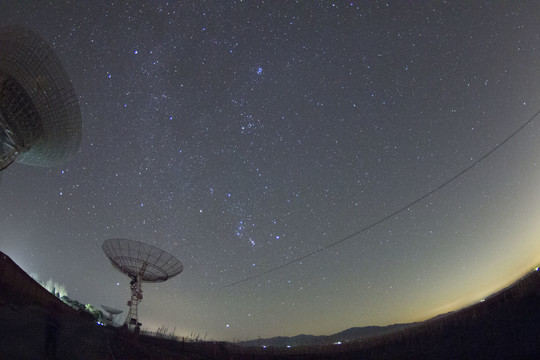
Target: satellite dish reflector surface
137 259
111 310
40 119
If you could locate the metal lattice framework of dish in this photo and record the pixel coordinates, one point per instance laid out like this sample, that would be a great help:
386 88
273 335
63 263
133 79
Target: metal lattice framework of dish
40 118
142 263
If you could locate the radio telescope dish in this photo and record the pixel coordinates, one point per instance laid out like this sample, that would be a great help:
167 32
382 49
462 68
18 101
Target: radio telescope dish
111 310
40 118
111 314
142 263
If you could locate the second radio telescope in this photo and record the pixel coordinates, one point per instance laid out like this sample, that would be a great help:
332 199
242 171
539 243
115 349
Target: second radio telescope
142 263
111 314
40 119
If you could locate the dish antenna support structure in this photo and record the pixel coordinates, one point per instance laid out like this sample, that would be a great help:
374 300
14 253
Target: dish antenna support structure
40 118
141 263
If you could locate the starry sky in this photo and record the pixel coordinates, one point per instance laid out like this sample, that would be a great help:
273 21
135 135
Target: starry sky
244 135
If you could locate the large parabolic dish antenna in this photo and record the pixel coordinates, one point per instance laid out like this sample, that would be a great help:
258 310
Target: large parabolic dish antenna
142 263
40 118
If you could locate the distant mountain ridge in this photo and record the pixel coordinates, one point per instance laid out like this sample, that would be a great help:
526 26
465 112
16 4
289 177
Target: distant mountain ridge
352 334
504 325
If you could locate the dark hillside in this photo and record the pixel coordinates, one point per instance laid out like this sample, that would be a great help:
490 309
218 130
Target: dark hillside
16 286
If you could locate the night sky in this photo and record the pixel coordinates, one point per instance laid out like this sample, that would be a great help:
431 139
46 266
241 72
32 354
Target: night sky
242 135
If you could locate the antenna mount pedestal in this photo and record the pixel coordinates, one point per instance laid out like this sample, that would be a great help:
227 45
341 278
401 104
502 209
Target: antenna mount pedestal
132 319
